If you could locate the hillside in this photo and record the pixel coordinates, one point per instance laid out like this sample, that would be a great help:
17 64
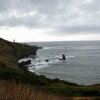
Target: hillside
10 53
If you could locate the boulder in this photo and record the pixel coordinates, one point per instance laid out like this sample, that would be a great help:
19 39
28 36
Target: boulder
47 60
63 57
24 63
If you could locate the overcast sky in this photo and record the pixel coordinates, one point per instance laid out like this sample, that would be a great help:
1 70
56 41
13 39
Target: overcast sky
50 20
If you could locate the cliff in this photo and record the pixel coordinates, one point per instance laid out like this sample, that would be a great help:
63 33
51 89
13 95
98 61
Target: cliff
11 52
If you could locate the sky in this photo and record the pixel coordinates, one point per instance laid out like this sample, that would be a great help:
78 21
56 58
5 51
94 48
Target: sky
50 20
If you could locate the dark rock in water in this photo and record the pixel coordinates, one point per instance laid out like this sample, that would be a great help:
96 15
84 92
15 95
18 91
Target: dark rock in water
63 57
24 63
47 60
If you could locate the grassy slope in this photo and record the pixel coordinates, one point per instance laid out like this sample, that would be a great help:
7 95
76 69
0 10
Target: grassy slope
9 55
11 52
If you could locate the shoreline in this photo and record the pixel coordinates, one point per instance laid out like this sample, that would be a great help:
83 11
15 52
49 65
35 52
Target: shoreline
52 75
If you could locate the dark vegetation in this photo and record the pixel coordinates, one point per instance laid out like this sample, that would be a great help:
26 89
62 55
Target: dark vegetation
9 70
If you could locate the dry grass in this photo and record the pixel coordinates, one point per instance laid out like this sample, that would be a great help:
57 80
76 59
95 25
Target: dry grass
9 90
12 91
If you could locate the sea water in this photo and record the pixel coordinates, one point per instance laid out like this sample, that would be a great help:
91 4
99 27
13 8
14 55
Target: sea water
82 65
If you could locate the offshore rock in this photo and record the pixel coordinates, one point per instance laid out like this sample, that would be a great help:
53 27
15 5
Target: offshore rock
47 60
63 57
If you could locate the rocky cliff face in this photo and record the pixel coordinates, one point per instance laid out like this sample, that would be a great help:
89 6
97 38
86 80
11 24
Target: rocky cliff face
11 52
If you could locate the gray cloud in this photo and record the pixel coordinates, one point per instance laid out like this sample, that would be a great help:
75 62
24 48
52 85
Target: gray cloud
79 29
63 16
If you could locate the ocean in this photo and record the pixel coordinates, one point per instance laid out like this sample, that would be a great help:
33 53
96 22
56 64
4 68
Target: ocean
82 65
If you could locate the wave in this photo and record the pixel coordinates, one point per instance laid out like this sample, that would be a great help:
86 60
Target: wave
56 47
40 61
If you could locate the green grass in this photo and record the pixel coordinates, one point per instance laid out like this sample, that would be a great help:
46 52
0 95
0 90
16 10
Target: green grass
22 77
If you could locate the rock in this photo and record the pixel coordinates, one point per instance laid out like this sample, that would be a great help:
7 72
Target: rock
63 57
47 60
24 63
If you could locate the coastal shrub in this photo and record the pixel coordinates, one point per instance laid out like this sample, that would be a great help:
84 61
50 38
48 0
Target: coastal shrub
22 77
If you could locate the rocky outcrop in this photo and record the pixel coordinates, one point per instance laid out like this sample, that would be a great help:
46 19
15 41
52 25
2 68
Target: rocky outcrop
63 57
24 63
11 52
46 60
